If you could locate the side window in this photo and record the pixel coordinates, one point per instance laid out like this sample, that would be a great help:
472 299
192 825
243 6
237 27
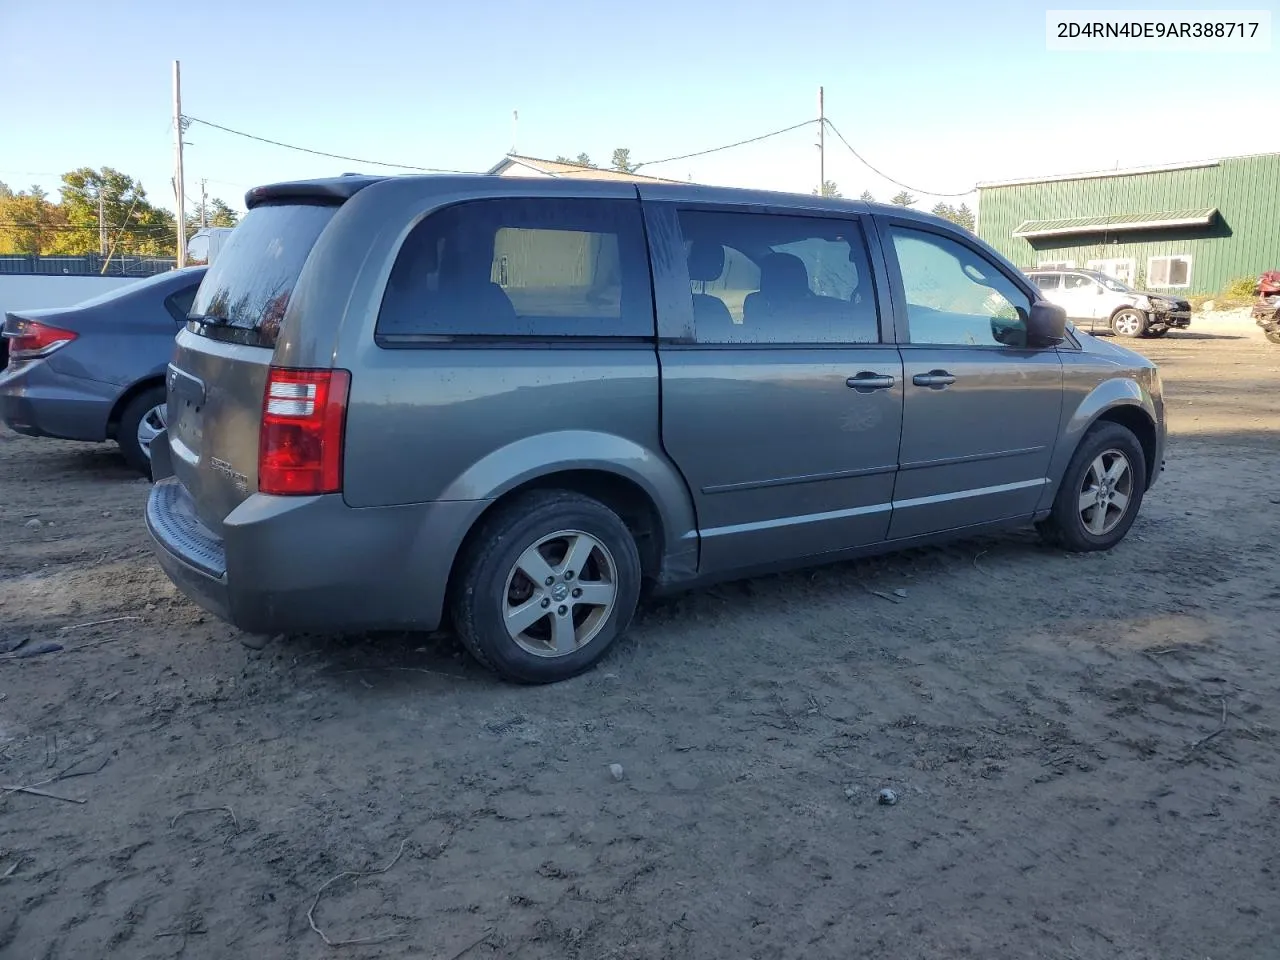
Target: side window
1047 281
198 249
955 296
1079 283
761 278
179 304
522 267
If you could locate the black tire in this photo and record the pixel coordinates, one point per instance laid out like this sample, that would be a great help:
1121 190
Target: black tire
1157 333
1130 320
486 576
1066 526
127 431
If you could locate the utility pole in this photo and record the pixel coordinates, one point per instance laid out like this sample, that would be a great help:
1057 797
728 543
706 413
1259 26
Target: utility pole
515 123
178 185
822 146
102 223
204 196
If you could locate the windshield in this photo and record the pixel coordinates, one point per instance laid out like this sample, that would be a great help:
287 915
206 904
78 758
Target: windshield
1115 285
249 284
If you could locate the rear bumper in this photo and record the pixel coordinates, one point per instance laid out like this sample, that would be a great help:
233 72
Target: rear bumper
37 401
311 564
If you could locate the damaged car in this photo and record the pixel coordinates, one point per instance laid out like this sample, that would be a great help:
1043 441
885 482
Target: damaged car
1098 303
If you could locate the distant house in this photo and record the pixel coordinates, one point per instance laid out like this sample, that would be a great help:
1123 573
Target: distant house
1187 227
518 166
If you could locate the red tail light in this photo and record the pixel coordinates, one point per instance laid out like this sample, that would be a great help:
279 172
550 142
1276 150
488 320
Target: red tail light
29 340
300 446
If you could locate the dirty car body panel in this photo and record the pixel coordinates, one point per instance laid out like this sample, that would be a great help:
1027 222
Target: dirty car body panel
751 454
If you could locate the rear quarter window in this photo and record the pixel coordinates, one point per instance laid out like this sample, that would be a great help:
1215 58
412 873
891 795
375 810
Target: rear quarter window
179 304
540 267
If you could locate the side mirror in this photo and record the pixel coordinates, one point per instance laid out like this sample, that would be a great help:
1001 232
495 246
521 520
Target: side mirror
1046 325
1098 290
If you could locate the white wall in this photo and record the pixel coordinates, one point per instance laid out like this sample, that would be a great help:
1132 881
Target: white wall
32 292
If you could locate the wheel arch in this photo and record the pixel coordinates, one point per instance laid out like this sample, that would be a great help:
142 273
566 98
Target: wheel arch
634 502
1120 400
127 397
640 485
1122 308
622 494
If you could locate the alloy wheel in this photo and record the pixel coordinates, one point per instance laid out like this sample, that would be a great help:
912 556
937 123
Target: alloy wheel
559 593
1106 492
149 427
1127 323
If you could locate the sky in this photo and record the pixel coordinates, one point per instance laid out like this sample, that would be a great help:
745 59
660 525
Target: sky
938 95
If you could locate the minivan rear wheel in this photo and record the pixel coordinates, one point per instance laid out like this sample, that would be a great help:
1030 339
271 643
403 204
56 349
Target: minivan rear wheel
140 422
545 585
1101 491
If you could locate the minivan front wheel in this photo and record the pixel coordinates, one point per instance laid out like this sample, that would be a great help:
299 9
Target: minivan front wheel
1100 493
545 585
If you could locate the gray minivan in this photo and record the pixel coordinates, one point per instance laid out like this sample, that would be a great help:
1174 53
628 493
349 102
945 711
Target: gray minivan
514 403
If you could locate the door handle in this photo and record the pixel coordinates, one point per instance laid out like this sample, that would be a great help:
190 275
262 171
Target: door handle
934 379
867 380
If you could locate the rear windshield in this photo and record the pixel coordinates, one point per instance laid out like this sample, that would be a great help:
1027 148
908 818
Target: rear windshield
249 283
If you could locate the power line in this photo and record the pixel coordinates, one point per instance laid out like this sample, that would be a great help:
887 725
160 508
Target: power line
410 166
120 232
320 153
228 183
727 146
896 183
79 228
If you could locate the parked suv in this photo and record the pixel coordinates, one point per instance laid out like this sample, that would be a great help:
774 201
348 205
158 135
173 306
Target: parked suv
1098 302
513 403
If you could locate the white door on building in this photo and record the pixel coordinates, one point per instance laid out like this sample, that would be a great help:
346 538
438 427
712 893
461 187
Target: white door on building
1124 269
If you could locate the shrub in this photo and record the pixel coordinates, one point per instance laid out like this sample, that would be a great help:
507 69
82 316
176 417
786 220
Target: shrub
1240 288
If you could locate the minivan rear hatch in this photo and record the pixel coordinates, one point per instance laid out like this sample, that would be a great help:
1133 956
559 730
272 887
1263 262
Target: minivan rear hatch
223 357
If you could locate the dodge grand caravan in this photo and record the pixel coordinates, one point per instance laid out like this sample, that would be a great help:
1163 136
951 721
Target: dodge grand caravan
512 404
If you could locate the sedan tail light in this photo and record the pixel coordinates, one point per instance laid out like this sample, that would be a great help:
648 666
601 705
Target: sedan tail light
300 444
30 340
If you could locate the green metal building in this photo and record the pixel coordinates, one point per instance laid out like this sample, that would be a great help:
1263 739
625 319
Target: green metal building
1186 227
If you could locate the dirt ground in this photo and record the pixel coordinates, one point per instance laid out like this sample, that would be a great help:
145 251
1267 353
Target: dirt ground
1084 749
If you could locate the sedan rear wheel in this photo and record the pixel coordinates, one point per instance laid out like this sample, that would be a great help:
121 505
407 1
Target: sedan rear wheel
149 427
140 423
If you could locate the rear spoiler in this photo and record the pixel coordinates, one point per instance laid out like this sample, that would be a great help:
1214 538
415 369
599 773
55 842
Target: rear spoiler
332 190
